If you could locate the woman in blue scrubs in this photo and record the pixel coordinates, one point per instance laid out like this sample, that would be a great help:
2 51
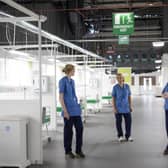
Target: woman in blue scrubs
121 95
71 113
165 96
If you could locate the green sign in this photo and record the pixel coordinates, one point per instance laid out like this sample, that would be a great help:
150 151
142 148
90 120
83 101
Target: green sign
123 39
123 23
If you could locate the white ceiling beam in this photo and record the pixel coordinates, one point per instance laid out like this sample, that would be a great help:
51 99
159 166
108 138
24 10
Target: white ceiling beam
17 19
17 47
71 56
59 56
22 9
135 28
147 39
137 33
101 65
82 62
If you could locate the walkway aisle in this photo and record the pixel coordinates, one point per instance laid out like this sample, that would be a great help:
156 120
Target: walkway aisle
103 151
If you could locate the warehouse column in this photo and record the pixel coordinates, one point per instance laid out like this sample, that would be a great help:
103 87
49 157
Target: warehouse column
164 70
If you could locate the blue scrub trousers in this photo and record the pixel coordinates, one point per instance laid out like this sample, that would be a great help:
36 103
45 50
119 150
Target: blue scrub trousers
128 122
75 121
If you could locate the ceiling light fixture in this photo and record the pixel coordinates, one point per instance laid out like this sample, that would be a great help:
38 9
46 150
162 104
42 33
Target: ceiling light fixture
150 4
158 44
157 67
158 61
52 60
20 53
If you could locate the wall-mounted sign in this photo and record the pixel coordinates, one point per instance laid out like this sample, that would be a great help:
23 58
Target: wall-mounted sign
123 39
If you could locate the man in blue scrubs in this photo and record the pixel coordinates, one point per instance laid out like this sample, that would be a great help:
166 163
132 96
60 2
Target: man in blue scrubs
165 96
121 97
71 113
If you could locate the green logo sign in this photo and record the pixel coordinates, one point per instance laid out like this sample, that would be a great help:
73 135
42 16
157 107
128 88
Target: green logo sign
123 39
123 23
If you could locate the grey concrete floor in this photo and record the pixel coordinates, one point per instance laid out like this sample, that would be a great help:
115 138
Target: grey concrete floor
100 143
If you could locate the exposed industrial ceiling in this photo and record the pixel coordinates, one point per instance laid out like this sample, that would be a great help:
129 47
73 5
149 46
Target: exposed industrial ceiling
140 53
88 23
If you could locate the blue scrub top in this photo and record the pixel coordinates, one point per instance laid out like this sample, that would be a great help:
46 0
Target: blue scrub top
67 87
166 100
121 95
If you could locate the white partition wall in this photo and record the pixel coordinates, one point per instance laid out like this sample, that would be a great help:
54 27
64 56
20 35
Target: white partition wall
15 79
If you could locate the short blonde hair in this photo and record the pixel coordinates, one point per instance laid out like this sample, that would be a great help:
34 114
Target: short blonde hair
119 74
68 68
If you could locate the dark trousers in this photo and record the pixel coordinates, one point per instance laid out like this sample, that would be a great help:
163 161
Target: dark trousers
166 121
128 122
166 118
75 121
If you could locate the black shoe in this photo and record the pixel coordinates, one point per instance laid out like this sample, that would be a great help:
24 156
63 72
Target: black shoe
165 151
80 155
70 155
